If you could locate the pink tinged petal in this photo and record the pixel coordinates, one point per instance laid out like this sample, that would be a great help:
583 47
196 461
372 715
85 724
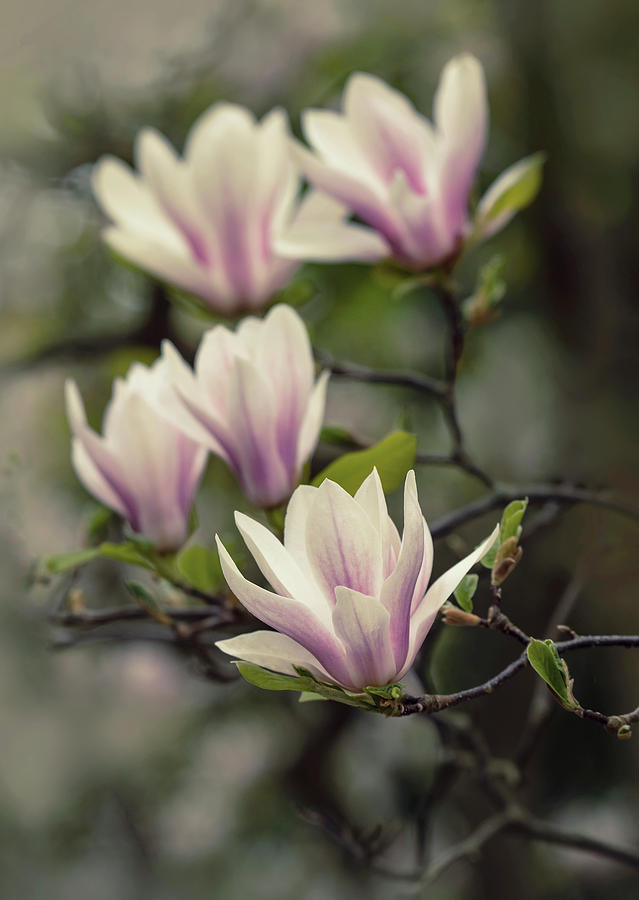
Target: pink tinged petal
356 194
288 616
312 422
461 115
278 566
295 525
399 588
128 202
265 480
105 466
94 480
331 135
342 544
370 496
425 612
425 571
363 625
273 651
428 238
283 354
168 179
318 232
392 135
165 262
224 161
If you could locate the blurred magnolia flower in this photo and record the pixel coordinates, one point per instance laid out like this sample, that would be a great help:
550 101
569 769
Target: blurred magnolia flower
143 467
407 179
351 604
252 401
207 222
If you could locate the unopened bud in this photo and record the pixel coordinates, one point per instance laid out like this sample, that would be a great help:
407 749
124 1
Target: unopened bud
452 615
624 733
506 559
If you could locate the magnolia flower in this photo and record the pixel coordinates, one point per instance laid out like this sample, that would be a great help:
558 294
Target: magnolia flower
405 178
351 603
207 222
251 400
144 467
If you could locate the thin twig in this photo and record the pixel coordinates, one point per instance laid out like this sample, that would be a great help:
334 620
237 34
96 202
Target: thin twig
425 384
537 494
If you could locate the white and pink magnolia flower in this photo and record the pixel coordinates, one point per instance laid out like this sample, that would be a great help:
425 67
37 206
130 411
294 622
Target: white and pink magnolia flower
406 179
143 467
252 400
351 602
207 222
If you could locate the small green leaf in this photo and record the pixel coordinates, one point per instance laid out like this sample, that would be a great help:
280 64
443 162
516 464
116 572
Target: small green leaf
514 190
128 553
465 592
310 697
201 568
393 456
272 681
488 560
98 523
543 657
388 692
511 520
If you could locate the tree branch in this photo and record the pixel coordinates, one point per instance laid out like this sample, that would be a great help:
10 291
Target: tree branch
425 384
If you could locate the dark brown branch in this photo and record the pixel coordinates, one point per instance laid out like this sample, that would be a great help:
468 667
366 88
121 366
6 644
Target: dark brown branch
96 618
538 494
425 384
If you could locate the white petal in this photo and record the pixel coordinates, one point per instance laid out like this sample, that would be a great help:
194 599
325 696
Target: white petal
287 616
425 612
295 524
342 545
312 422
319 242
370 495
363 624
331 135
273 651
278 566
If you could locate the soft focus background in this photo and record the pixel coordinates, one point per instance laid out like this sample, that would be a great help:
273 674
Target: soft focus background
124 773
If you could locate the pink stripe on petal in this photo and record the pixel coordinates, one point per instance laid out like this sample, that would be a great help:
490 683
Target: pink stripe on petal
362 623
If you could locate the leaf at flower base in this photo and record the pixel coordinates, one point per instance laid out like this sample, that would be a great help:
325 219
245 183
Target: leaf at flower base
310 697
465 591
272 681
388 692
128 553
514 190
393 457
201 568
543 657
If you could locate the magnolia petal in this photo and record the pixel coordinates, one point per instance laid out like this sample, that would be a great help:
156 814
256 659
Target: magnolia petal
425 612
128 202
370 495
336 242
331 135
278 566
295 526
264 477
93 479
341 543
312 422
273 651
389 130
398 589
286 615
363 624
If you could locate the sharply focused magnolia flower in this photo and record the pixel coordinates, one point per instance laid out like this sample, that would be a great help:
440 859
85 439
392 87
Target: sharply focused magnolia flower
351 603
207 222
143 467
405 178
252 401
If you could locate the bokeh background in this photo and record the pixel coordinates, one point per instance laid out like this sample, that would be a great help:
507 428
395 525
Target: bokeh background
124 773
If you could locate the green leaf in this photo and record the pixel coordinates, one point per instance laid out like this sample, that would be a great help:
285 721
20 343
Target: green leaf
511 520
334 434
521 184
543 657
465 592
201 568
310 697
388 692
127 553
273 681
393 456
488 560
